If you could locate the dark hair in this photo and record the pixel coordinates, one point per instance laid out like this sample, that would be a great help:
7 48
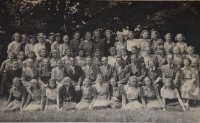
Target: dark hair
75 33
55 86
149 79
186 58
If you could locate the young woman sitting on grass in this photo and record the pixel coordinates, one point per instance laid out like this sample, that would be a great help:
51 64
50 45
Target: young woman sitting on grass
65 95
150 96
51 96
131 94
87 97
171 97
35 97
17 96
115 93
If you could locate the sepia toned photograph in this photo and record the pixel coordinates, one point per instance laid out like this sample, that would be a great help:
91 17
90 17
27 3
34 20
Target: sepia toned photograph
99 61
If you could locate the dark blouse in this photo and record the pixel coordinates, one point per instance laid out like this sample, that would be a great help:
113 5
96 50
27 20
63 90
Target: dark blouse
107 46
66 95
45 74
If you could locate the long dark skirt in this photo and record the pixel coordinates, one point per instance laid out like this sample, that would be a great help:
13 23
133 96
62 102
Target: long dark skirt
173 105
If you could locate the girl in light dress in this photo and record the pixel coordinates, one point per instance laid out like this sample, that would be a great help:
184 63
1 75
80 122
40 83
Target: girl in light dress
15 46
169 45
120 44
144 42
80 60
171 97
131 42
178 57
17 96
189 86
130 95
66 59
101 93
112 57
182 45
51 96
58 73
35 97
30 45
87 97
150 96
64 45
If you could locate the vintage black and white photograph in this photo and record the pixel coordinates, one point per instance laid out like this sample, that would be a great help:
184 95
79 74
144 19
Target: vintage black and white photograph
99 61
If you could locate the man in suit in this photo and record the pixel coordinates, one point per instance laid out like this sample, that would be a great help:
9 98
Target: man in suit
75 73
170 70
122 72
137 69
106 70
91 71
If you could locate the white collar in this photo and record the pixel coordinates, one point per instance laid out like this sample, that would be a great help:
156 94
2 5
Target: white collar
152 69
125 57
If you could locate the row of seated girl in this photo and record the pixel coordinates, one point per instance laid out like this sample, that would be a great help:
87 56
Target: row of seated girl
97 96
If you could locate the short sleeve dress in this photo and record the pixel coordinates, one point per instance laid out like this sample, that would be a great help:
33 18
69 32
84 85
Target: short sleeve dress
151 97
86 98
51 95
171 99
131 95
101 92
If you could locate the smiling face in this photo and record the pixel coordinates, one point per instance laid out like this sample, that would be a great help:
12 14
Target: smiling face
51 38
66 39
58 38
52 84
120 38
59 64
43 53
55 54
104 61
133 82
131 36
32 40
123 53
76 36
153 35
89 61
148 50
186 62
133 59
31 55
108 34
96 34
145 35
179 38
175 50
11 57
15 65
17 37
113 82
41 39
16 83
168 37
151 64
112 52
170 59
100 80
21 56
81 53
168 83
133 50
190 51
147 81
68 52
88 36
46 63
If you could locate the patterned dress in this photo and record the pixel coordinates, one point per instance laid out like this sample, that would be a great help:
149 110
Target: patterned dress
86 98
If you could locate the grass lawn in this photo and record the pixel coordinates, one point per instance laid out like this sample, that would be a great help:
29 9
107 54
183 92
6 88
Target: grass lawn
104 115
